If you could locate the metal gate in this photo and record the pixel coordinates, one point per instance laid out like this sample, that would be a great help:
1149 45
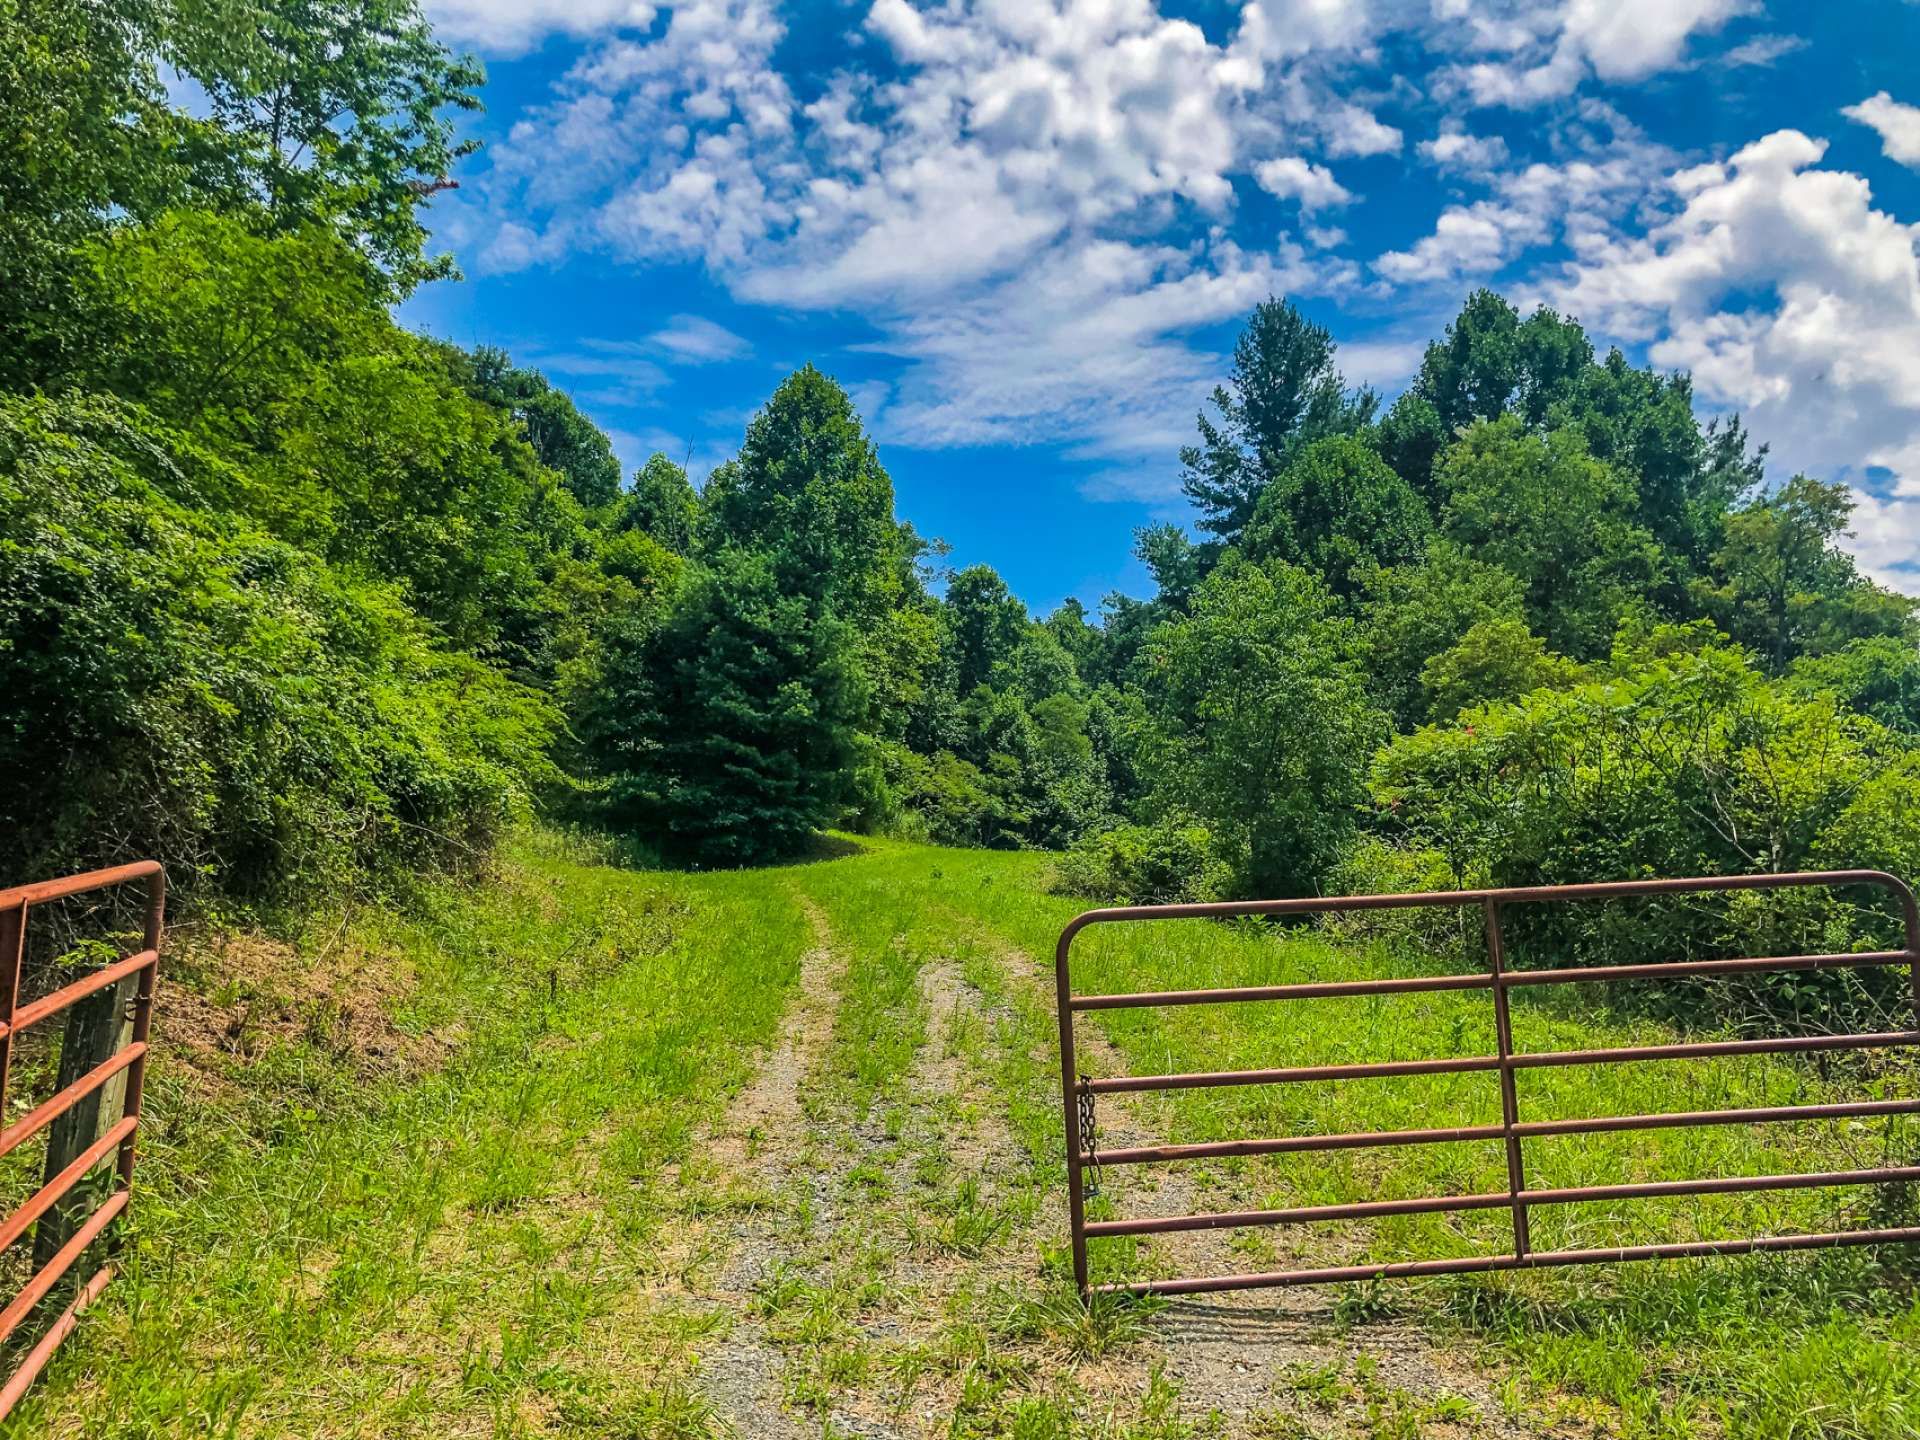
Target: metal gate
118 1050
1079 1093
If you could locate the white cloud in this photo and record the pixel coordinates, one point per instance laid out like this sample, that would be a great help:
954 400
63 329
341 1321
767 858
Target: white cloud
695 339
512 27
1551 47
1292 178
1031 207
1886 539
1898 126
1354 130
1533 205
1385 362
1454 149
1762 51
1791 298
1032 203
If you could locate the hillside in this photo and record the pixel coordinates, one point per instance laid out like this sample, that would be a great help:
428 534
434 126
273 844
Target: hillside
588 1150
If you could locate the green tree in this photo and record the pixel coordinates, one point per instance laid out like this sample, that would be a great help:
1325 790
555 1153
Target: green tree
562 438
1261 723
85 132
1783 588
987 624
1878 676
1685 761
1283 391
809 489
1338 509
1495 660
1543 509
220 329
727 735
180 685
1411 613
330 111
662 503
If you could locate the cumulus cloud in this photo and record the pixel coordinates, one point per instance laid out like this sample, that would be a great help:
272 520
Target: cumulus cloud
1531 205
1033 205
511 27
1292 178
1355 130
1552 47
1454 149
1791 297
1898 126
1886 539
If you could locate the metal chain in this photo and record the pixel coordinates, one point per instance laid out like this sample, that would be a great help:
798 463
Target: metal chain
1089 1139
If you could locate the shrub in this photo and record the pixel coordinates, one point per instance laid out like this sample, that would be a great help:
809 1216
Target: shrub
1374 866
1164 864
1689 763
185 688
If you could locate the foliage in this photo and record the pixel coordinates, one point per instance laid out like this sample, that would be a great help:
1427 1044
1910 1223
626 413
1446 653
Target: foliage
84 130
182 687
1281 393
1544 510
1408 614
662 503
1689 762
1780 587
1261 724
562 438
1495 660
809 491
1338 509
1162 864
1878 676
330 113
726 734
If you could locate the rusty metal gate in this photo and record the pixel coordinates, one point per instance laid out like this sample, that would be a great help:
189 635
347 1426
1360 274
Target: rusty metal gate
122 1068
1079 1093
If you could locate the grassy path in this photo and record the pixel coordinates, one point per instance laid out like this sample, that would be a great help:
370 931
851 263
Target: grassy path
777 1154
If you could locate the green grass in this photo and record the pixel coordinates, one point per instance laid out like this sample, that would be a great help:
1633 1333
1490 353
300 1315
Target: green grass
314 1256
479 1249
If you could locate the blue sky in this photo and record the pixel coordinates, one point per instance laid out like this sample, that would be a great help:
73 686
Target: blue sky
1022 233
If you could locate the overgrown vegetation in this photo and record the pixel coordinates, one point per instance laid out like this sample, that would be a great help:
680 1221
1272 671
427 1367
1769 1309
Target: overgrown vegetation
1418 624
539 1214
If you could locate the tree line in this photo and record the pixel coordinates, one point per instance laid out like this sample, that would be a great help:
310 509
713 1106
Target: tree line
296 599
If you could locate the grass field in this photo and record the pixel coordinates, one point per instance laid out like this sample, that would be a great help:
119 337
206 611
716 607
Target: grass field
598 1152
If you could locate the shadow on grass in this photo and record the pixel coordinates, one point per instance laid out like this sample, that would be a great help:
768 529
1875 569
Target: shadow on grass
592 845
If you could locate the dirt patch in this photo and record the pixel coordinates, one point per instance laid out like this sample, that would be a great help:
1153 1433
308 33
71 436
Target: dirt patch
756 1155
227 999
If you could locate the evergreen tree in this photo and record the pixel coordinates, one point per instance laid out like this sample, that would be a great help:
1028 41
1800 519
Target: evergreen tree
726 736
1282 392
809 490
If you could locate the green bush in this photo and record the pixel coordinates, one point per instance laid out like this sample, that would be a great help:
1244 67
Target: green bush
1686 763
1164 864
182 687
1374 866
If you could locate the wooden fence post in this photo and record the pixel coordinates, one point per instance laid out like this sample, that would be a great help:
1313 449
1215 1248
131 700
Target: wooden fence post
98 1028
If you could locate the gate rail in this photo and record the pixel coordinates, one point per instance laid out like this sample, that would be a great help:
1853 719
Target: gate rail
123 1070
1078 1091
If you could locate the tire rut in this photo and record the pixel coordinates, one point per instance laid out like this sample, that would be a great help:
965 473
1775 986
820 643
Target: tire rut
1233 1351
